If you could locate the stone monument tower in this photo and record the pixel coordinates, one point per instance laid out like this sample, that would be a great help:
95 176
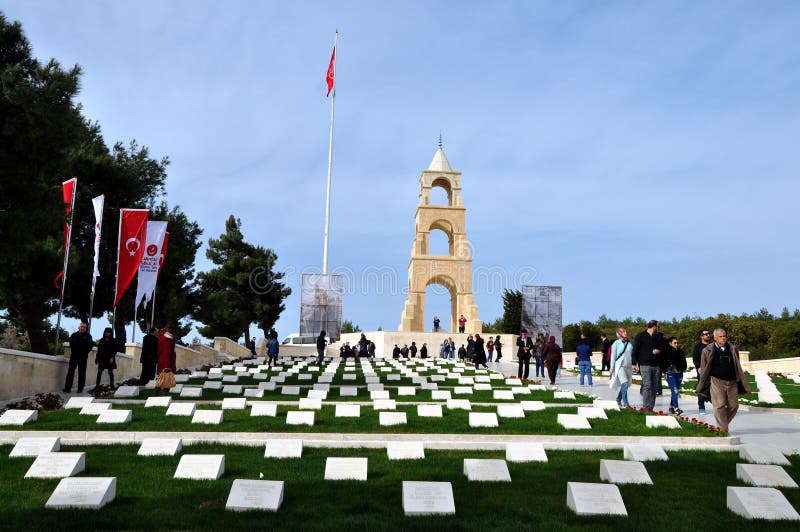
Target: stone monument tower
453 271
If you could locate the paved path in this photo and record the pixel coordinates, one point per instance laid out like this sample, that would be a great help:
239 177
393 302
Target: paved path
763 426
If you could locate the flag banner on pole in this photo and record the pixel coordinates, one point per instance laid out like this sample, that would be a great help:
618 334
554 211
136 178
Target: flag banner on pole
98 226
331 75
68 193
132 232
161 258
148 269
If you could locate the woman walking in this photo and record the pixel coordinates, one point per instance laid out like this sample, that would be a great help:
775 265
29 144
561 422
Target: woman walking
621 371
166 349
552 358
479 358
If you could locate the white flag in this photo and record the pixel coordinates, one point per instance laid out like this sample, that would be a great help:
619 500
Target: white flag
148 269
98 225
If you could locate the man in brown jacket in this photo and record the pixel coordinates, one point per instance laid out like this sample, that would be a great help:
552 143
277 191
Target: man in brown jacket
721 373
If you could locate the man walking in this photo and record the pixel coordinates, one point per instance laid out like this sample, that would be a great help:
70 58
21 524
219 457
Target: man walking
321 343
605 344
647 347
524 348
705 339
722 378
80 344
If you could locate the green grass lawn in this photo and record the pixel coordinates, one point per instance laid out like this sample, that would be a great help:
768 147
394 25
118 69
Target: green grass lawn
688 493
626 422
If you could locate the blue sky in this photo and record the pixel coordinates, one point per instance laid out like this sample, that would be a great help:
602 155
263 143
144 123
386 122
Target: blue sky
643 155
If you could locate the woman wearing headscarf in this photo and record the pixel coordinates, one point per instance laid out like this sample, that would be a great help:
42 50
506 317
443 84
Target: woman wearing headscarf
621 370
166 349
552 358
106 358
479 358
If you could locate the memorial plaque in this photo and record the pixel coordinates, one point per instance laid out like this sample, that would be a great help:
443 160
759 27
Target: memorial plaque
212 385
374 387
348 391
95 409
254 393
388 419
319 391
234 403
325 379
295 417
503 395
57 465
586 498
440 395
624 472
83 492
462 390
429 386
592 412
346 469
662 421
284 449
207 417
464 381
255 495
279 379
384 404
605 405
201 466
573 421
437 378
192 392
227 367
115 416
483 419
483 470
537 387
260 376
393 377
178 388
379 394
309 403
214 376
532 406
199 374
78 402
181 378
525 452
519 390
215 371
482 387
644 452
181 409
429 410
230 378
349 377
267 386
513 382
762 454
35 446
290 390
406 391
160 447
405 450
127 391
158 402
260 408
346 410
459 404
19 417
760 503
483 378
510 411
765 476
232 389
563 395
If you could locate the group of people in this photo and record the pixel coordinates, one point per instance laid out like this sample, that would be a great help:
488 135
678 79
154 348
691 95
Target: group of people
546 354
158 353
365 348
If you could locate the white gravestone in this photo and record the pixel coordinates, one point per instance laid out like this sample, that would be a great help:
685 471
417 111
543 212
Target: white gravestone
255 495
592 412
158 402
563 395
503 395
429 410
662 421
182 378
308 403
201 466
95 409
428 498
212 385
160 447
296 417
304 376
192 392
230 378
254 393
388 419
406 390
83 492
348 410
290 390
624 472
280 379
207 417
178 388
115 416
462 390
482 387
520 391
532 406
585 498
483 419
437 378
405 450
510 411
318 394
57 465
348 391
379 394
232 389
644 452
525 452
234 403
459 404
283 449
573 421
440 395
78 402
35 446
346 469
762 454
483 470
263 409
267 386
349 377
764 476
537 387
127 391
374 387
181 409
384 404
760 503
393 377
605 405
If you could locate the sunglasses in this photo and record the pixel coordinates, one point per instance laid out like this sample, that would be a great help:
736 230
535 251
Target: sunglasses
706 334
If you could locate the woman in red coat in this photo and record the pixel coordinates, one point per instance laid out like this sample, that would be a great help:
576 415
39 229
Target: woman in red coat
166 349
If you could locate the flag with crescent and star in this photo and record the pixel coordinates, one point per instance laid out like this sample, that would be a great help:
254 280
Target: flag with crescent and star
132 237
331 75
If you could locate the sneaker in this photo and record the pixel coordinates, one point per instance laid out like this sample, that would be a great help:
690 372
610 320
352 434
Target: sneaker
678 411
671 410
702 411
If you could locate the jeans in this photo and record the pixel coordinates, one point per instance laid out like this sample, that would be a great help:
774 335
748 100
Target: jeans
435 328
539 366
674 380
586 369
649 384
110 376
622 396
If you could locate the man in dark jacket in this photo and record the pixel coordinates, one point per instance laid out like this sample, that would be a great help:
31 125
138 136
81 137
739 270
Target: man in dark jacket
80 344
149 358
722 377
524 349
605 344
646 359
321 343
705 339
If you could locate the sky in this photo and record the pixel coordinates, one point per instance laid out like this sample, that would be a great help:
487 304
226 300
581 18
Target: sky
642 155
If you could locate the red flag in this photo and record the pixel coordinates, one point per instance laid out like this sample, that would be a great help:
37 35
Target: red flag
132 235
331 71
68 193
163 256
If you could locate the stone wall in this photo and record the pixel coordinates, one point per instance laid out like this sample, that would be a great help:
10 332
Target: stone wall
228 346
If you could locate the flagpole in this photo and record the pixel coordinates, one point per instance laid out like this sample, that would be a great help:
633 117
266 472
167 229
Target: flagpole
133 329
153 313
330 164
116 275
66 263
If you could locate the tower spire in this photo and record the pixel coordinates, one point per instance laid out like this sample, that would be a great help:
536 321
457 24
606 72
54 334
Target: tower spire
440 140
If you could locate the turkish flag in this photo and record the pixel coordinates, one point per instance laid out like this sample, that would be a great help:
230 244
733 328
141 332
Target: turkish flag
132 236
331 72
68 193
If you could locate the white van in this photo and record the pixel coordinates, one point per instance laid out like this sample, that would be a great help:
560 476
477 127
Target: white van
298 339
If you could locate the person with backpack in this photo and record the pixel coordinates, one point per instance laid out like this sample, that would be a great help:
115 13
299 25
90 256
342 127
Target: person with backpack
621 366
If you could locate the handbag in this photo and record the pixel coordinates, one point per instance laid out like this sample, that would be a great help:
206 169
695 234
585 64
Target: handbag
166 379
